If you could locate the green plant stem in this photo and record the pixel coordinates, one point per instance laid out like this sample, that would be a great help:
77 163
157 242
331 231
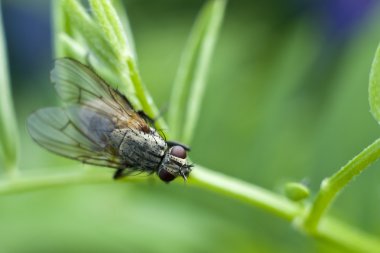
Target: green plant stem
348 238
144 96
330 187
245 192
9 138
35 183
330 230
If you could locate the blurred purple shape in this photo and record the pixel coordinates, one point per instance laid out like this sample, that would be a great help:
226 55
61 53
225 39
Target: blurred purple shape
28 34
339 18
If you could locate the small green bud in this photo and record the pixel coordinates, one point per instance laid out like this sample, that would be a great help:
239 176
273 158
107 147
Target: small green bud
296 191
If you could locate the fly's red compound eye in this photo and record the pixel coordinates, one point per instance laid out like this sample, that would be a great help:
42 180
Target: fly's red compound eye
178 151
165 176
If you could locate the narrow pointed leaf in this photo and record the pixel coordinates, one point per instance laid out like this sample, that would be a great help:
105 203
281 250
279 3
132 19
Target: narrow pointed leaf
8 126
190 82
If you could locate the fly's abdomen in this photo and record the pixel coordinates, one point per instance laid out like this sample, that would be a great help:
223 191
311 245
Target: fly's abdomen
139 149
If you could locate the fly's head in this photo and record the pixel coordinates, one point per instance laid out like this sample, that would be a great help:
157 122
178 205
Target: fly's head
174 164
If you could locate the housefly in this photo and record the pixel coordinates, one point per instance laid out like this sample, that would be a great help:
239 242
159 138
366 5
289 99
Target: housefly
99 126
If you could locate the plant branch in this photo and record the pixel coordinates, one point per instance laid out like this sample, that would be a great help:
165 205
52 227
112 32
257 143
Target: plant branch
330 230
245 192
35 183
330 187
146 100
346 237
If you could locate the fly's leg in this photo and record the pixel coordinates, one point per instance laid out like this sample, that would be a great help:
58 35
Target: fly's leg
146 117
120 173
152 120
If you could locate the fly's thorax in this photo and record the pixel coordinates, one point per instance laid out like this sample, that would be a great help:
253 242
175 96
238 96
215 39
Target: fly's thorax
139 149
174 164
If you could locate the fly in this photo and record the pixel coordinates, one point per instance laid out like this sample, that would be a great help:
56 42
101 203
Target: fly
99 126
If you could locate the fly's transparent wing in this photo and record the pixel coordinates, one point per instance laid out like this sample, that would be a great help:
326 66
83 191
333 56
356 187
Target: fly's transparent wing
77 133
76 83
82 129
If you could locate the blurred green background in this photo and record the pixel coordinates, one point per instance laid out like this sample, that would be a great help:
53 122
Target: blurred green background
287 101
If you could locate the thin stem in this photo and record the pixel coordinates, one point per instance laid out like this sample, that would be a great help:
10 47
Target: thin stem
348 238
330 187
331 230
245 192
9 138
145 98
26 184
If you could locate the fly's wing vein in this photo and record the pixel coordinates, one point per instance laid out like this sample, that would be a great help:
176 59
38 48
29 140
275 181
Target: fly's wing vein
82 129
67 133
77 84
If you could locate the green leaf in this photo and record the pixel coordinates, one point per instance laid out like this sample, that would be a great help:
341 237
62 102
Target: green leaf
122 13
84 28
374 86
9 146
104 42
190 82
117 37
112 28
